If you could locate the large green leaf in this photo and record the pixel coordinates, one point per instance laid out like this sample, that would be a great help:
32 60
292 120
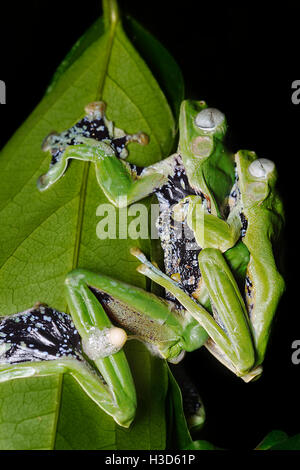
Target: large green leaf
43 236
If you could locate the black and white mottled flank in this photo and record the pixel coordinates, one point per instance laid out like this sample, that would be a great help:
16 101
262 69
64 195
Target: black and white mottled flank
38 334
88 128
177 239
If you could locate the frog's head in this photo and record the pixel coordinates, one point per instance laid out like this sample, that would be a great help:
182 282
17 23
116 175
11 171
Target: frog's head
256 177
199 128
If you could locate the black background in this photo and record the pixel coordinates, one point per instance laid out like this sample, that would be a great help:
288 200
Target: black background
243 60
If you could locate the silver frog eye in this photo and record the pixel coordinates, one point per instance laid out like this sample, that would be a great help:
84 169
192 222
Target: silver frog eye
261 167
209 119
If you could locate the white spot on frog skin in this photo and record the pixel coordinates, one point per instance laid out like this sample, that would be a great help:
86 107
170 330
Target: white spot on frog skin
103 343
3 348
209 119
261 167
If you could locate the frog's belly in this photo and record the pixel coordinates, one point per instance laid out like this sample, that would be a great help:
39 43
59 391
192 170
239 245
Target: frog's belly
177 240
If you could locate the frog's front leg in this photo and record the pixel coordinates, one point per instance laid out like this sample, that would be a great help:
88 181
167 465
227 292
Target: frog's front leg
116 180
231 331
119 181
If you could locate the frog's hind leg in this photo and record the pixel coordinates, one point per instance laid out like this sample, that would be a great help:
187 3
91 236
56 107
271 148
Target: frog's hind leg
229 309
142 314
102 342
194 308
42 341
231 334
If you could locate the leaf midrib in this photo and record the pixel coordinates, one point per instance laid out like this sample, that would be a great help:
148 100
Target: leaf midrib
82 201
86 165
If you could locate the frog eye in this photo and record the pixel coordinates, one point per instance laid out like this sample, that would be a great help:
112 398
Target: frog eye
261 167
209 119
